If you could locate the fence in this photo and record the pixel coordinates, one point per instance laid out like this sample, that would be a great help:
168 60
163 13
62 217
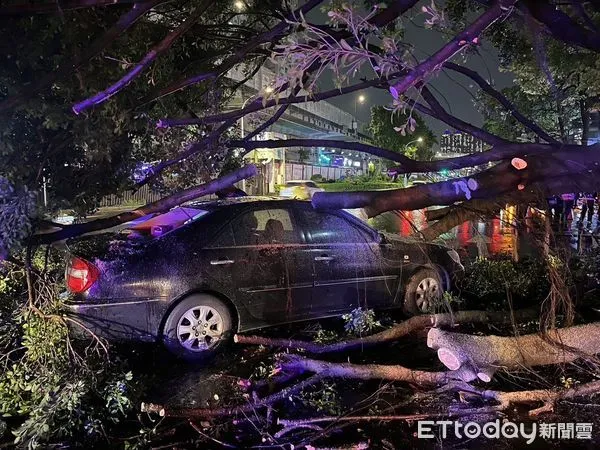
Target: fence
306 171
140 197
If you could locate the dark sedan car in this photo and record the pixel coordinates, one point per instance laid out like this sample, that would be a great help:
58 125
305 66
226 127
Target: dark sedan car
194 276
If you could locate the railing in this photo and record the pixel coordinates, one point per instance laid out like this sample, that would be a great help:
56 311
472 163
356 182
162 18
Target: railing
140 197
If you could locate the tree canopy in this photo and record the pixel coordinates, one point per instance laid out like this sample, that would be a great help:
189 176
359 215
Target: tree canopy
87 100
390 131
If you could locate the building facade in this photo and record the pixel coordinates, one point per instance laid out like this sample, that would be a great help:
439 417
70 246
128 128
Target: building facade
310 120
456 143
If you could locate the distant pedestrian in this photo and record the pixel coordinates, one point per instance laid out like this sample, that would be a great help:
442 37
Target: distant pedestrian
568 202
555 205
588 202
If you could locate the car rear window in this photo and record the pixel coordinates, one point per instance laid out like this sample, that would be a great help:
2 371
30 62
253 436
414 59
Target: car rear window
161 224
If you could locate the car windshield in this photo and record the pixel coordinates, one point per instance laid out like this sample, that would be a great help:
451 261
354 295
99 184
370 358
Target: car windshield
294 183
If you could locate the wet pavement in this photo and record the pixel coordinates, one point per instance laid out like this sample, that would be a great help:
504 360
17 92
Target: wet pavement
497 236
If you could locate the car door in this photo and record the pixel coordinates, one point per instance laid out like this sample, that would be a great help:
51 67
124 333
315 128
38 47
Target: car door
348 263
268 273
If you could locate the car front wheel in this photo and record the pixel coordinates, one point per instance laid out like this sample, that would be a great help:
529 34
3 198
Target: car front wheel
197 327
423 292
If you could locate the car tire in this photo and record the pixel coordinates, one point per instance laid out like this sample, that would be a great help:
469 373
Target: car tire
422 291
198 327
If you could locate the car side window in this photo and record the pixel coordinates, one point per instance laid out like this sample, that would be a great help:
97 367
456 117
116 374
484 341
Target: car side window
328 228
263 227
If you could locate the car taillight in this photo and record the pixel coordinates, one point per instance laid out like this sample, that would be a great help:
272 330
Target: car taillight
81 275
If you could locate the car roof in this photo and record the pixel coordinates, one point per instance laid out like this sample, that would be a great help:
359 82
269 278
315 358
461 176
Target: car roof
215 204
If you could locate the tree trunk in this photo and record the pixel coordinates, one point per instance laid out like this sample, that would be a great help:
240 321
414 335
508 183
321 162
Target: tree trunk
396 332
561 346
374 371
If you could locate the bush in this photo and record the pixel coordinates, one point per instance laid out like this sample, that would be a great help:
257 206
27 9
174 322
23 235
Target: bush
317 178
347 186
489 281
54 390
360 322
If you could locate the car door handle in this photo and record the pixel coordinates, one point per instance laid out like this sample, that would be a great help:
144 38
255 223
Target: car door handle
221 262
324 258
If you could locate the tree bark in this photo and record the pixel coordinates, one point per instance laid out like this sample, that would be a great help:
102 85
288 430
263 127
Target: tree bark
561 346
159 206
396 332
374 371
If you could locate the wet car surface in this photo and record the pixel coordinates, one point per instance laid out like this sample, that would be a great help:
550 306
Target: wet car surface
194 276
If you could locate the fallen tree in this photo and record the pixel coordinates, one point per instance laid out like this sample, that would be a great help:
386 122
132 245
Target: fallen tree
395 332
559 346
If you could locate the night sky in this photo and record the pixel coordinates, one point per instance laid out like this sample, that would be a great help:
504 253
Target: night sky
454 91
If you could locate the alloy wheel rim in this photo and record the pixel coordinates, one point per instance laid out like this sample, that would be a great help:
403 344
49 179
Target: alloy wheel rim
428 291
200 328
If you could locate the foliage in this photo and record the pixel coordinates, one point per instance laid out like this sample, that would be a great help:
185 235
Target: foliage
355 185
555 84
360 321
325 336
51 392
324 400
82 158
492 280
386 129
17 206
317 177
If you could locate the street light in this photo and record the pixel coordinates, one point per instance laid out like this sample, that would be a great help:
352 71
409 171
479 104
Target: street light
360 99
239 5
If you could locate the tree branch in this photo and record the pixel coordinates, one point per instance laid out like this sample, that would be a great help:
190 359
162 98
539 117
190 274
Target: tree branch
156 51
394 333
273 35
406 162
282 395
575 170
437 110
257 105
67 67
62 5
561 26
500 98
159 206
457 44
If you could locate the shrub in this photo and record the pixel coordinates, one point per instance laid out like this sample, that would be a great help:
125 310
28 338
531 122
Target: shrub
317 178
491 280
55 390
360 321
